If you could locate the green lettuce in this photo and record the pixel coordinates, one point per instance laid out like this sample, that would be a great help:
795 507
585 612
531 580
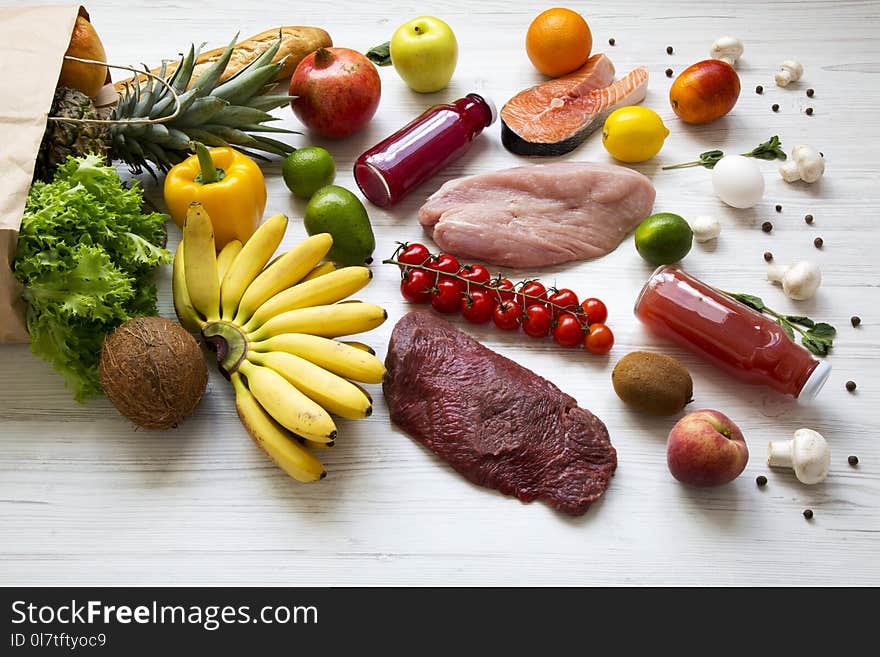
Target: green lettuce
86 257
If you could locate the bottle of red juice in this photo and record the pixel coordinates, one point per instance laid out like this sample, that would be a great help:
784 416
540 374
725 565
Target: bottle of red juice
390 169
741 341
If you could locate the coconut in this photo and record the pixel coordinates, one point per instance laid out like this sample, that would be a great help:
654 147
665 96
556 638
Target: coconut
153 372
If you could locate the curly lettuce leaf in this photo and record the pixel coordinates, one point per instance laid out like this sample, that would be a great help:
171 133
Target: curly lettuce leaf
86 255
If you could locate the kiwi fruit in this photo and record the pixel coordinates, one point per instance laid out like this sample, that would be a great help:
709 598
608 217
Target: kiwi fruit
153 372
652 383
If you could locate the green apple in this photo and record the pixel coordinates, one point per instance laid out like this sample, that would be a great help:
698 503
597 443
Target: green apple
424 53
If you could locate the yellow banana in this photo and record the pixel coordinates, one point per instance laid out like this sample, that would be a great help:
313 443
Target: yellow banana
324 290
332 392
338 357
186 314
250 262
311 444
328 321
225 257
288 270
287 405
281 446
320 270
200 263
361 346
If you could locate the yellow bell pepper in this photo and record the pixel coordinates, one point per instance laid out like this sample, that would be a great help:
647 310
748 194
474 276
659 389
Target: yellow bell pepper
228 184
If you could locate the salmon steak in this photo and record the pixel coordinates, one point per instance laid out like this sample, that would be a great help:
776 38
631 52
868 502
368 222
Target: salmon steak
555 117
539 214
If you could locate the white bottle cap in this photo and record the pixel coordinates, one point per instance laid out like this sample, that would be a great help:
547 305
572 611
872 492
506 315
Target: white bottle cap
814 384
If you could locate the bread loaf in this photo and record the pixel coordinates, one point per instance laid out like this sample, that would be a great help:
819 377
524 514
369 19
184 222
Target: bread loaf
296 43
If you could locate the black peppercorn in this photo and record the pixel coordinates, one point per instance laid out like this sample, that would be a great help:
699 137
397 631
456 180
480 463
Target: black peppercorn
808 514
809 111
611 41
851 386
809 218
766 226
775 107
768 256
810 93
668 50
759 89
761 480
855 320
668 72
779 208
853 460
818 242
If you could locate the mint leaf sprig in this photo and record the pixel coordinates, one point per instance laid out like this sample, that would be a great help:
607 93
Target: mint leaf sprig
817 337
768 150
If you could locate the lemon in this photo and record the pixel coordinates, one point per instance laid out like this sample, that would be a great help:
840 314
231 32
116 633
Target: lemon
633 134
307 170
664 238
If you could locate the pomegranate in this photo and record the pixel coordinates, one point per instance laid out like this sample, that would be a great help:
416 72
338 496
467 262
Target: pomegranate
337 91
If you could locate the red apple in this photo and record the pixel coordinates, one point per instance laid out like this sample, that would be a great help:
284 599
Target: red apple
337 91
705 448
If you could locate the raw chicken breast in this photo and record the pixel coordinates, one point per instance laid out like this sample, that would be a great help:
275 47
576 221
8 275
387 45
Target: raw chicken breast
538 215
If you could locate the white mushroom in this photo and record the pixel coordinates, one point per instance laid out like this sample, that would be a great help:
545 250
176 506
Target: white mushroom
705 228
806 163
727 49
789 71
806 453
799 281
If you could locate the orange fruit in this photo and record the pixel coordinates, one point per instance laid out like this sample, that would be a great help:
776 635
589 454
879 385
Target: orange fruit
559 41
85 44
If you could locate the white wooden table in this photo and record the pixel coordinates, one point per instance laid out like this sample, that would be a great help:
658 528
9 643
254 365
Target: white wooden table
87 499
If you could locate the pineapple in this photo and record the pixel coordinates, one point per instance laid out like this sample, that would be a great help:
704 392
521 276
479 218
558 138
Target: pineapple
233 113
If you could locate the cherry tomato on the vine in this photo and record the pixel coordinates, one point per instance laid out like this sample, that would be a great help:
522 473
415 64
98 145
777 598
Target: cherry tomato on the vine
595 310
475 273
477 307
446 298
416 286
507 315
599 340
537 321
504 290
533 289
414 254
443 262
568 331
564 298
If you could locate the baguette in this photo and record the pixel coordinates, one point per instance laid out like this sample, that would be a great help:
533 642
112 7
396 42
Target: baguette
296 43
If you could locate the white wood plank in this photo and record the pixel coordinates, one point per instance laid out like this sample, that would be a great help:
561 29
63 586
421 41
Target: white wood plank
85 498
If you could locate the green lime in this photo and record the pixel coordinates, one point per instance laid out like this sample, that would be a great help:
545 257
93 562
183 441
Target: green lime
335 210
664 238
307 170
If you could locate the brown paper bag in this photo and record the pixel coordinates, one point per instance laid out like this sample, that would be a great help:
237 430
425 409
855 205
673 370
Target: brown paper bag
34 42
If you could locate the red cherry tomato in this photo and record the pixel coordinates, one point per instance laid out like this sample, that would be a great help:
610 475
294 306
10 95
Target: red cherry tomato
416 286
595 310
475 273
446 298
414 254
599 340
568 331
564 298
477 307
533 289
502 292
507 315
444 262
537 321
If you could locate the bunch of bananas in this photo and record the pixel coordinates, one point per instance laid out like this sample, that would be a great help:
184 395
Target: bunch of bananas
273 326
